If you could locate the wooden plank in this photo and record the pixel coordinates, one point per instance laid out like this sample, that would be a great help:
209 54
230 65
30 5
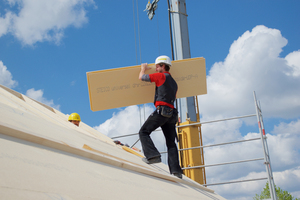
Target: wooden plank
120 87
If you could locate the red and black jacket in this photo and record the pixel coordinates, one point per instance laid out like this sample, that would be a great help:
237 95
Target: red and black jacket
166 88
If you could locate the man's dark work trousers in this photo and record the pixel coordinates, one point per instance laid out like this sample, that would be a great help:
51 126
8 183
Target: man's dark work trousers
167 125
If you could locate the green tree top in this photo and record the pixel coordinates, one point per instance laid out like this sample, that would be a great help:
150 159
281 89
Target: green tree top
281 194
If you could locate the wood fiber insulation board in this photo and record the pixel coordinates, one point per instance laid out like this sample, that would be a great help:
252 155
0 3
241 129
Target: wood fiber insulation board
120 87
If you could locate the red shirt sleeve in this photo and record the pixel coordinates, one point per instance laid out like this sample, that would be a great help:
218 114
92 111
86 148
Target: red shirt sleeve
158 78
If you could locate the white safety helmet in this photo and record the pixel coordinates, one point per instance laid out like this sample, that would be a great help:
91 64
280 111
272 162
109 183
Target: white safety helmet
163 59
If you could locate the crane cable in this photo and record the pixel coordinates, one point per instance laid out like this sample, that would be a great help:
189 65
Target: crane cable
136 48
158 36
139 42
134 32
138 24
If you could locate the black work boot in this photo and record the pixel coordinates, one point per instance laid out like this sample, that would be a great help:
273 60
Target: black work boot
179 175
152 160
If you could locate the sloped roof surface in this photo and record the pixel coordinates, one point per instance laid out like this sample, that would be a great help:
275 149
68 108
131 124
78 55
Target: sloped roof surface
43 156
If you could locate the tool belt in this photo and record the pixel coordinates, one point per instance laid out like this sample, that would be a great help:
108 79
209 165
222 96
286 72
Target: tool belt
165 111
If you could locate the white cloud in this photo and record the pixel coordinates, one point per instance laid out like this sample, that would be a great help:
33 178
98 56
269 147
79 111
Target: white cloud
291 128
253 64
6 80
284 151
224 131
38 96
288 180
6 77
246 190
129 121
293 60
125 122
43 20
5 23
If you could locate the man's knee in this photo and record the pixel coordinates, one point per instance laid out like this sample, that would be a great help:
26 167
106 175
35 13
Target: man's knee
144 131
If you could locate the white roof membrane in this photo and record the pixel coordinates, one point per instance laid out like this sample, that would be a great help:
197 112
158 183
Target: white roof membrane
43 156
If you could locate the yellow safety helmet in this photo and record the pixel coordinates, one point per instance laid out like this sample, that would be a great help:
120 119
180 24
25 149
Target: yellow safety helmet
74 116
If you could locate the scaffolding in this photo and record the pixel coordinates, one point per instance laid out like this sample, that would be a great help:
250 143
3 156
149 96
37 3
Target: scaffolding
263 138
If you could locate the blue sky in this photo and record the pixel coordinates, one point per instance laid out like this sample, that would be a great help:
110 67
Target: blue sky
47 48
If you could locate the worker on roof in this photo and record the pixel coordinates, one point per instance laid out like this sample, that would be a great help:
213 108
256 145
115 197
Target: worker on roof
74 118
165 115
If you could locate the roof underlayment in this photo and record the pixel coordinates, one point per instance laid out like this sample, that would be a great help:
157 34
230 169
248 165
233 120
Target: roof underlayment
43 156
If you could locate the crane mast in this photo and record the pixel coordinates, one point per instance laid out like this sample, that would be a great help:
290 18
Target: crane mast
189 136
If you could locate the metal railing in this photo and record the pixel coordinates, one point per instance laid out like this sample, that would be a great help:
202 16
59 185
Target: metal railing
226 143
263 139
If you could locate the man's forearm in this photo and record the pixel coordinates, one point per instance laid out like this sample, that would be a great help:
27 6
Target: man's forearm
142 72
144 67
